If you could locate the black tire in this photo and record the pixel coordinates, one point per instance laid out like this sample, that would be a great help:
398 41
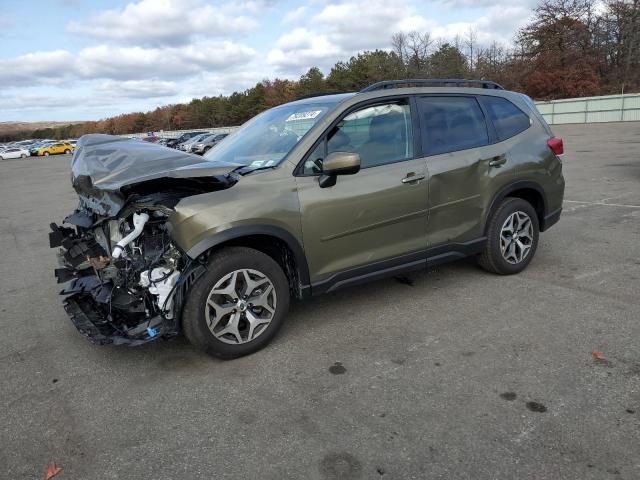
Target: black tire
46 154
67 151
206 149
222 263
492 259
22 155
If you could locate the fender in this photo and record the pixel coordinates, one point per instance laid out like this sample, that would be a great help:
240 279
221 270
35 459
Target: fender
512 187
248 230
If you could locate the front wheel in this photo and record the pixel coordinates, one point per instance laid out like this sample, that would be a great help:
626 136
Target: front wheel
67 151
46 154
512 237
238 305
22 155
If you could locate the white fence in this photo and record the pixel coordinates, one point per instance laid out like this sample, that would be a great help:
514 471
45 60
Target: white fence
610 108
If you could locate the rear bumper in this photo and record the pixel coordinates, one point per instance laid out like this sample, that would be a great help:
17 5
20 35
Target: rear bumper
550 219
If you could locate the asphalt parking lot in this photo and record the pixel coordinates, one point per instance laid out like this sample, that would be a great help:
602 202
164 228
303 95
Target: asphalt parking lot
464 375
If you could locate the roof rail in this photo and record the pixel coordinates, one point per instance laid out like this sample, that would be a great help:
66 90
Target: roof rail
431 82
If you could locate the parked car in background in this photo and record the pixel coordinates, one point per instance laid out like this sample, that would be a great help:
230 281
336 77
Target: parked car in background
207 143
55 149
186 146
37 146
173 143
14 152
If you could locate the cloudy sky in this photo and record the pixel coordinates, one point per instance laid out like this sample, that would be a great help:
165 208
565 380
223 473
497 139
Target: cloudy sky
89 59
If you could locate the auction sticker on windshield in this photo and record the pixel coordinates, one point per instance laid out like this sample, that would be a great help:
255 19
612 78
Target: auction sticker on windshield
303 115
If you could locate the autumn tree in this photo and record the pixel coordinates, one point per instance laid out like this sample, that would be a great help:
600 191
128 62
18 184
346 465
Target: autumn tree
559 49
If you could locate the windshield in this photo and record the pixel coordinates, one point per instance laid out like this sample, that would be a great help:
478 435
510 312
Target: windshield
267 138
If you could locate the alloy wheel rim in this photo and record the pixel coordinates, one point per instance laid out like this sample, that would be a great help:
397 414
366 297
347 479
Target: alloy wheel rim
240 306
516 237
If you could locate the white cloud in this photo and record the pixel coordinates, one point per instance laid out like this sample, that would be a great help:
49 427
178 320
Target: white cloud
165 22
302 48
36 67
340 30
123 63
138 88
499 24
487 3
296 16
132 63
366 24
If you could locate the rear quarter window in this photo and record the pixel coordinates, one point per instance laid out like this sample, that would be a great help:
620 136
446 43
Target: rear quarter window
507 119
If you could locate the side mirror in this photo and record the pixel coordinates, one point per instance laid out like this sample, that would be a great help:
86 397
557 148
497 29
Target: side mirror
338 163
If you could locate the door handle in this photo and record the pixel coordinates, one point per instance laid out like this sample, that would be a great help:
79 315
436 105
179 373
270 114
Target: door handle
497 161
412 177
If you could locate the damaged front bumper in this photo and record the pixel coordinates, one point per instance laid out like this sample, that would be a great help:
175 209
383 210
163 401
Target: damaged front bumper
129 300
126 276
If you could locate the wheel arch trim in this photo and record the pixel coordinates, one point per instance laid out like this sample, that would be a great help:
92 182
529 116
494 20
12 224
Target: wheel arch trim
248 230
513 187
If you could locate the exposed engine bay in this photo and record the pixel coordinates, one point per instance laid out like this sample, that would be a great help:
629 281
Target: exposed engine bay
126 277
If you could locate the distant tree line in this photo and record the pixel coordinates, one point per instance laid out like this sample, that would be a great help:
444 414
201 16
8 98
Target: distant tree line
569 49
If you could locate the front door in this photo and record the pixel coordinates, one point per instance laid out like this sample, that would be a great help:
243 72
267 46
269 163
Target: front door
377 214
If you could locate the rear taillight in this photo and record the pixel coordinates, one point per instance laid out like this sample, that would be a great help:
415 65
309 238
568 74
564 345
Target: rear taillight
556 146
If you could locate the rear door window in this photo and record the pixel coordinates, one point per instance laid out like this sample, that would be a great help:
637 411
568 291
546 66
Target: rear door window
449 124
507 119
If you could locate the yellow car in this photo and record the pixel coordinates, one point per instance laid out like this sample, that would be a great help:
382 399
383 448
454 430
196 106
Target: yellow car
54 148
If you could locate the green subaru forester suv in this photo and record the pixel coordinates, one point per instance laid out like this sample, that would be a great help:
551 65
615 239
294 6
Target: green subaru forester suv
303 199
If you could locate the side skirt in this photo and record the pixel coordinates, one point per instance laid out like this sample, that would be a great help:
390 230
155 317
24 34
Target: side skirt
397 265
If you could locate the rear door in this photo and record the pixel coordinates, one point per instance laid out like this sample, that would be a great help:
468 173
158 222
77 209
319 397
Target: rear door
380 213
463 161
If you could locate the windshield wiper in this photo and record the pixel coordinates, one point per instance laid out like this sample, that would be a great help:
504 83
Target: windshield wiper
243 170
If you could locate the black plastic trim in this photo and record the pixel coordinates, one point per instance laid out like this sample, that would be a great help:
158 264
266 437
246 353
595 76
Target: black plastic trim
550 220
394 266
248 230
512 187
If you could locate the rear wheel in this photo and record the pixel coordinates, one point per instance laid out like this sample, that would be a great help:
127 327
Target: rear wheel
512 237
238 305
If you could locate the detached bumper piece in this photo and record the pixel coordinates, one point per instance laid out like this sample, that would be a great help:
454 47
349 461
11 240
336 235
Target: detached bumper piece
102 313
84 314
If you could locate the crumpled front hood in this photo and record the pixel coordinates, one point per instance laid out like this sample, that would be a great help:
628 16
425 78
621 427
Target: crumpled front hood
103 164
112 162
